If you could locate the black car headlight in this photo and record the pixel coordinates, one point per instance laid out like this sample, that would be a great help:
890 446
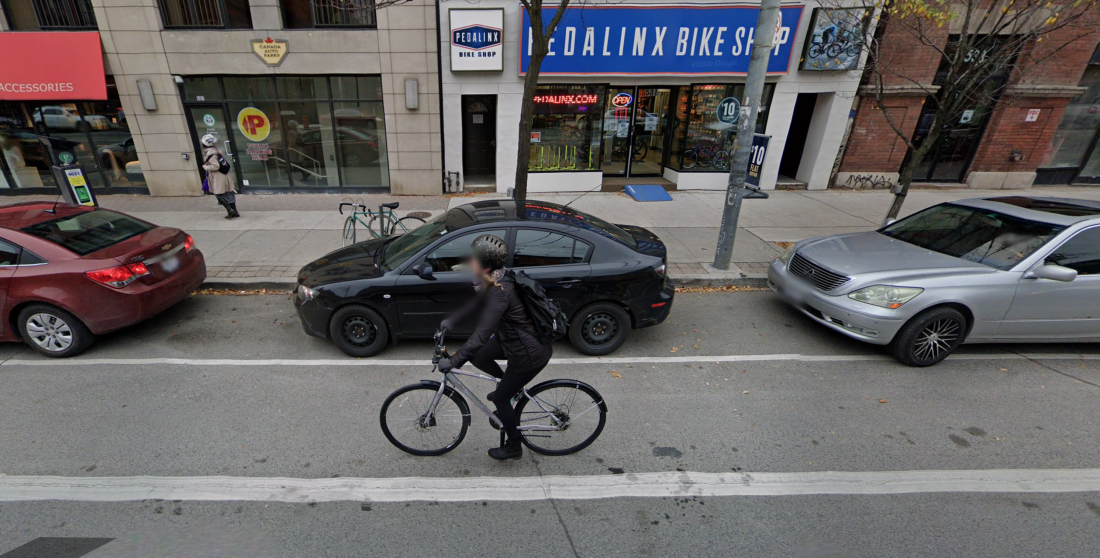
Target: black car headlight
306 293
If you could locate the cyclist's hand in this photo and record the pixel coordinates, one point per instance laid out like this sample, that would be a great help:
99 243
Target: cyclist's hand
445 365
446 325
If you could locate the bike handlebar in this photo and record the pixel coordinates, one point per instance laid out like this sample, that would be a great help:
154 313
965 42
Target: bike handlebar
353 206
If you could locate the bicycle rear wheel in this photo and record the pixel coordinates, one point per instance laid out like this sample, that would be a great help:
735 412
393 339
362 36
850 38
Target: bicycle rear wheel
380 227
349 230
721 160
408 223
567 416
406 424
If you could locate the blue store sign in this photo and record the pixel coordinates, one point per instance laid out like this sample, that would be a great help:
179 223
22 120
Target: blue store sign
476 37
729 110
658 40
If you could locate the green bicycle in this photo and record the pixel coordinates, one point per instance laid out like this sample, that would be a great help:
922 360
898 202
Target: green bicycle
381 224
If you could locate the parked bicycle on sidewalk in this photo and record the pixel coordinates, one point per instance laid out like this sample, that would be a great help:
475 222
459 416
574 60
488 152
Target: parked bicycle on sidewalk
381 224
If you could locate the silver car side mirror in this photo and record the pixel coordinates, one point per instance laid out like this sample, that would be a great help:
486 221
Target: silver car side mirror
1054 273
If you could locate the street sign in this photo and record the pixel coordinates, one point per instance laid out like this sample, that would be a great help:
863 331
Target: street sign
756 160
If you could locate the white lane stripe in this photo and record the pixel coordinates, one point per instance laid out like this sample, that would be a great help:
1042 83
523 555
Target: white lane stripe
640 485
555 361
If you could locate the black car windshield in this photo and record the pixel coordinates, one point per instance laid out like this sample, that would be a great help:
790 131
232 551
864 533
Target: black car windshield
407 245
89 231
977 235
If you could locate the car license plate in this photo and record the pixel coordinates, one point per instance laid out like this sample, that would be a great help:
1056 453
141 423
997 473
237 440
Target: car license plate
170 265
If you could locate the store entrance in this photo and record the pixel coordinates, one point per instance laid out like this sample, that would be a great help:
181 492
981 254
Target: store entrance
635 131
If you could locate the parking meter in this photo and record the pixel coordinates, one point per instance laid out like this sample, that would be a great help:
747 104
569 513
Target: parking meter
74 184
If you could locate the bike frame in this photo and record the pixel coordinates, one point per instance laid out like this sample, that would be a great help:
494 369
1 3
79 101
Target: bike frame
451 378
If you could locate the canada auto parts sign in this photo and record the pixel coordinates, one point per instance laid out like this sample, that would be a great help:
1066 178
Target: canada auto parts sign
477 40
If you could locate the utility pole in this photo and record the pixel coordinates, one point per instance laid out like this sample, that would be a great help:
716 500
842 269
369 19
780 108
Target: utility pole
763 43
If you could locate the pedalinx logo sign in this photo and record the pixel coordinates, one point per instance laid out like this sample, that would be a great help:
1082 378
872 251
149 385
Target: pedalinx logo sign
253 123
477 39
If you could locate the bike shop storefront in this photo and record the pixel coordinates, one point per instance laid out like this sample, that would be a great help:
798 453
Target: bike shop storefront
636 131
293 133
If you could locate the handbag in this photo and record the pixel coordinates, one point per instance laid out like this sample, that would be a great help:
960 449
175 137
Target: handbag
206 185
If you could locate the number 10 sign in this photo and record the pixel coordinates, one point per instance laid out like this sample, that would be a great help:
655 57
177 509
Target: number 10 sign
756 159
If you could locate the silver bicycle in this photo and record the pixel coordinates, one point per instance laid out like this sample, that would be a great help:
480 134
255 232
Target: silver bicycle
556 417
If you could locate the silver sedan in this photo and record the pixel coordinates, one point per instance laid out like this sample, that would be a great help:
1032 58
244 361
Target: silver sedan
1006 269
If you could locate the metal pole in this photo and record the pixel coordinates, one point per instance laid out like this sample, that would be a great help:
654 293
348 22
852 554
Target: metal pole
746 126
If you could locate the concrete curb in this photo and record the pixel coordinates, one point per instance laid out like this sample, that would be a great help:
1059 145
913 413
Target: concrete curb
701 280
288 284
251 283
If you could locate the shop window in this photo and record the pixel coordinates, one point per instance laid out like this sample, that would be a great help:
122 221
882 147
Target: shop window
305 14
202 89
702 142
566 128
366 88
1068 158
250 88
301 87
49 15
217 14
34 136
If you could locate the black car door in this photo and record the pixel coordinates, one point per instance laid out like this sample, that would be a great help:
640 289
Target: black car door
559 263
423 303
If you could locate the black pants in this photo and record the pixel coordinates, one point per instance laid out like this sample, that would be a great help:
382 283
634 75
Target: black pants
512 381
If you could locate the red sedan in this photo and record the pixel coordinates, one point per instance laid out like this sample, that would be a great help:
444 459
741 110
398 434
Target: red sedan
68 273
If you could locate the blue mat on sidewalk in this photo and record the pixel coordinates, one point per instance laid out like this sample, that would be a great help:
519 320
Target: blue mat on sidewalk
647 192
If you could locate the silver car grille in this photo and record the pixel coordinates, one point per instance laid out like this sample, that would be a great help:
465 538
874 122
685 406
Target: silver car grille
822 279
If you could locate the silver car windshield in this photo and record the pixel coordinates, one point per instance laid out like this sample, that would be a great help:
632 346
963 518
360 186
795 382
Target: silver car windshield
977 235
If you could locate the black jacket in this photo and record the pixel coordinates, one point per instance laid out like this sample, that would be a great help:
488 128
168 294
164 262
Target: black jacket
502 314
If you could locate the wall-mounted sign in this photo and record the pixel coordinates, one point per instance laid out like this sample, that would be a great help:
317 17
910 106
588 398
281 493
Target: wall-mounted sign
967 116
52 66
1032 115
834 39
253 123
728 111
271 51
477 39
657 40
208 119
622 100
536 137
583 99
757 153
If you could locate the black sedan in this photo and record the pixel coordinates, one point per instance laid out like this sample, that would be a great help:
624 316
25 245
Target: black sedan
607 278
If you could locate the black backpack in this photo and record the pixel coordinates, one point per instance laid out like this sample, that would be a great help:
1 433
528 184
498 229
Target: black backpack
223 165
549 321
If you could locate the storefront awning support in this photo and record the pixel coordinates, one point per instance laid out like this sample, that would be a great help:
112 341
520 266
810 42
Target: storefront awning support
746 125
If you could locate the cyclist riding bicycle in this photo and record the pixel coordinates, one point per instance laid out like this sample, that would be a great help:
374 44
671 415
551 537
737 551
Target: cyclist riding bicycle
504 331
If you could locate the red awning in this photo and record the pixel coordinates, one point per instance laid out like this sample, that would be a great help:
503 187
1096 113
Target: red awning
52 66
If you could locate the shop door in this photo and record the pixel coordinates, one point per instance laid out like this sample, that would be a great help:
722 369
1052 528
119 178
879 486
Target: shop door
635 131
210 119
950 157
479 132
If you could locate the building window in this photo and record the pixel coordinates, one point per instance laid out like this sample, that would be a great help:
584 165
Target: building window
305 14
314 131
1073 155
197 14
566 128
49 15
701 142
33 136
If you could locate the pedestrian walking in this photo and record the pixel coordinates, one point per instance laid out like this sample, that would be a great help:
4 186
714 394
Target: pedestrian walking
218 180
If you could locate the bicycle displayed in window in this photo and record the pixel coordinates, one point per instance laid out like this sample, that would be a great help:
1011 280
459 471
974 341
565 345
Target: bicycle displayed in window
705 154
556 417
381 224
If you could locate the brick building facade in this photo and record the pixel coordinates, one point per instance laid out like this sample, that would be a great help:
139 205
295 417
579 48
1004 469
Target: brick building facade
1007 149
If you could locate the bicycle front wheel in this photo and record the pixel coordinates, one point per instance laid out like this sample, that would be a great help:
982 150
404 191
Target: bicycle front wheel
561 417
721 160
349 231
407 424
688 159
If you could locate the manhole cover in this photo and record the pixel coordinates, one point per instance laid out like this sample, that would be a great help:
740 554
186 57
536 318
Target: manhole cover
421 214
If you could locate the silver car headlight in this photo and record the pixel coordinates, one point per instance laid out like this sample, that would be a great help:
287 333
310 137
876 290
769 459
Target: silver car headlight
886 296
306 293
787 253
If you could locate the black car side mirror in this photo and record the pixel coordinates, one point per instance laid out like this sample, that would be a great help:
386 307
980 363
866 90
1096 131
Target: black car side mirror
424 271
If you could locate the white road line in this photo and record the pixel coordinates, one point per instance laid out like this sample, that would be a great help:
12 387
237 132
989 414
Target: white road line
555 361
640 485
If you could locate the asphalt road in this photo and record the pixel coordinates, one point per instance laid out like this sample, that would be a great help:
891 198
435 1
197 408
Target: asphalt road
842 407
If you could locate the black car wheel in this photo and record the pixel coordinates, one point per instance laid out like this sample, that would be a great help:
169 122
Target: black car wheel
53 331
599 329
358 331
929 337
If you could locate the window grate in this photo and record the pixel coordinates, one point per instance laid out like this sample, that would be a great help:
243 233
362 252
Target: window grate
192 13
64 14
343 13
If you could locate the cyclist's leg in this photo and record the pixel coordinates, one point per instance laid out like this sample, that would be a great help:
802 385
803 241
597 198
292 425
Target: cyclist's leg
485 359
511 384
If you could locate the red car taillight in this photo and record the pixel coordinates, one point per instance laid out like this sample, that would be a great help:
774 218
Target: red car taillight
189 244
119 276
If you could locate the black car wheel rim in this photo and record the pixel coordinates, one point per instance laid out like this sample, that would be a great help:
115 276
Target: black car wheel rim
359 331
599 329
937 339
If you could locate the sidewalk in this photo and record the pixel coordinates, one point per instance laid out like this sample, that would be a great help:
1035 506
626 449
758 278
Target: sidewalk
277 234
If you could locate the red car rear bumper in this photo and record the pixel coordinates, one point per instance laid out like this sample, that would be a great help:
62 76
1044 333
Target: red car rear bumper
118 308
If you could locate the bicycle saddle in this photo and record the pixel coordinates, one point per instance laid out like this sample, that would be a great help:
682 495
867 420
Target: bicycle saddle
391 205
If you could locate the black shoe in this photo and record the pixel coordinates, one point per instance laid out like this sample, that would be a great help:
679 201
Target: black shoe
233 213
510 450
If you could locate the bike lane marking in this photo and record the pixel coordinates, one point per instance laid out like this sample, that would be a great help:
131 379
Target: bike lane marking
588 487
554 361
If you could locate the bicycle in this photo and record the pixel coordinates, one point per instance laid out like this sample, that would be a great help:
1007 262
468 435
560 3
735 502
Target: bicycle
382 224
434 416
705 155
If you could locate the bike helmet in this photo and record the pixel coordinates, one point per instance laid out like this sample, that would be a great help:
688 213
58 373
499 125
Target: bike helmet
209 140
490 251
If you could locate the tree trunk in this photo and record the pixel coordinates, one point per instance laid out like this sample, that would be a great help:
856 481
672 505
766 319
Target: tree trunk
526 115
909 168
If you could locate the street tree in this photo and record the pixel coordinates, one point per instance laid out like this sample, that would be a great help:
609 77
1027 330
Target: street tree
983 46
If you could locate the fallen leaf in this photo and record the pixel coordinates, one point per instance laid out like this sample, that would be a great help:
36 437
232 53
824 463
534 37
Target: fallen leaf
883 401
695 346
616 374
674 349
1004 370
746 392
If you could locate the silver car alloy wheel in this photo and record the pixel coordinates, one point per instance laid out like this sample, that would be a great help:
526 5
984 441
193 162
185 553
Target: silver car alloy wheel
49 332
936 339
